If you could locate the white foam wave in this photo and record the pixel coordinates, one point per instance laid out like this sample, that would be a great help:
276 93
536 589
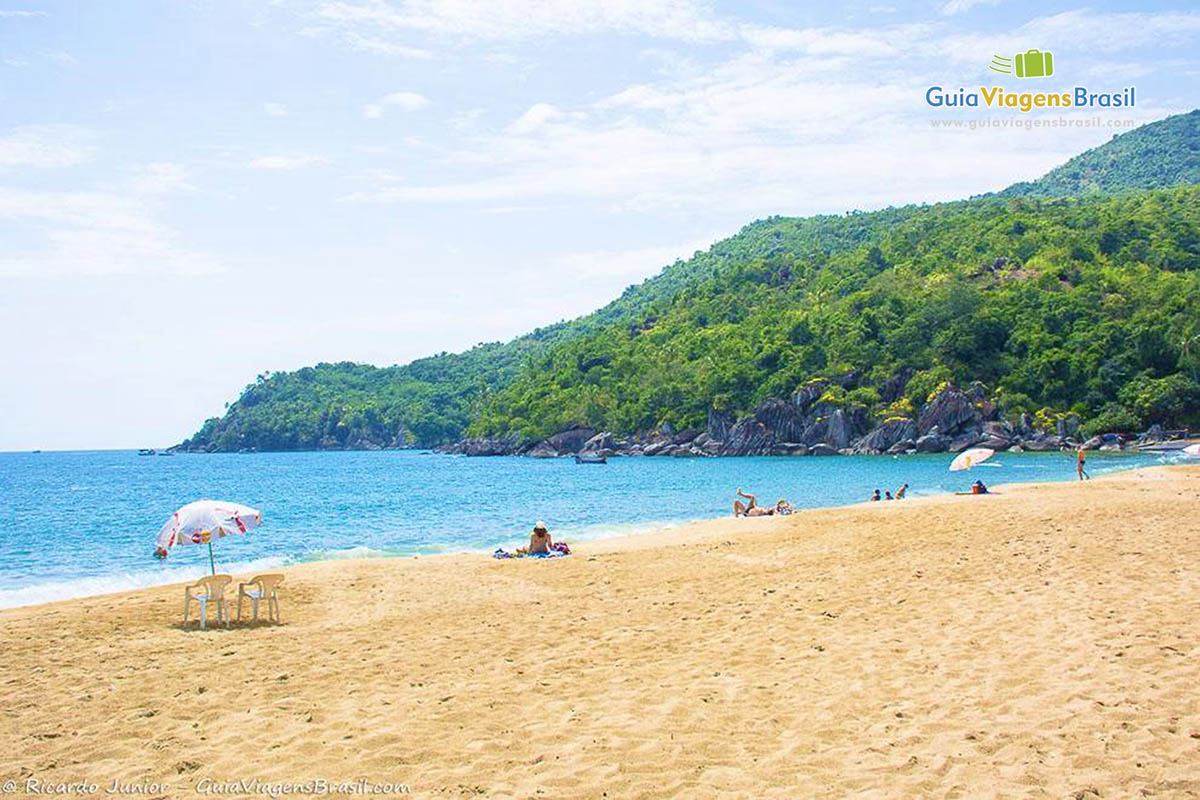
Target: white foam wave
54 591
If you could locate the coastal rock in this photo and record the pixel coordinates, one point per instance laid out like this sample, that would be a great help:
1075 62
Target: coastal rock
655 448
807 394
905 446
1093 443
1016 448
932 443
542 450
1041 442
894 386
719 423
886 436
601 441
790 449
571 440
963 441
506 445
822 450
951 411
685 436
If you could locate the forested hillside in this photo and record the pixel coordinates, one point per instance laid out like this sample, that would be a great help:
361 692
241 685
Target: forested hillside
1081 307
1063 305
1155 156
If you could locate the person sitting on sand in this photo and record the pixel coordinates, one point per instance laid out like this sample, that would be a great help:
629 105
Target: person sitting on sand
901 492
539 540
887 495
752 508
875 497
978 488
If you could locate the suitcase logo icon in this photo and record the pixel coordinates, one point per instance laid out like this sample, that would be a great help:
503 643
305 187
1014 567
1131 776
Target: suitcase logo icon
1030 64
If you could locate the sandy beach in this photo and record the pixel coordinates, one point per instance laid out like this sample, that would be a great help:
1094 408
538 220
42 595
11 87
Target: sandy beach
1043 641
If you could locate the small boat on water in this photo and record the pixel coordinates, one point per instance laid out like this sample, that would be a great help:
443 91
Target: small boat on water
147 451
581 459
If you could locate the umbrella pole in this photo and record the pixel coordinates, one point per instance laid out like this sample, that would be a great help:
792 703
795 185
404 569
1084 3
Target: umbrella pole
211 565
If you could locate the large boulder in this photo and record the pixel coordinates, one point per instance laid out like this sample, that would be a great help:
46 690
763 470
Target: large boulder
932 443
571 440
964 441
789 449
1041 442
748 437
807 394
950 412
886 435
601 441
719 423
542 450
822 450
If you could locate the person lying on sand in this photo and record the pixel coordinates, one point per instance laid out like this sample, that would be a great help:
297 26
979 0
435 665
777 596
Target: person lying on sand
752 508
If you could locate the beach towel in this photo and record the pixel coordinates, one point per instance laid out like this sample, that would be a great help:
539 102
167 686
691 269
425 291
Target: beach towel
557 550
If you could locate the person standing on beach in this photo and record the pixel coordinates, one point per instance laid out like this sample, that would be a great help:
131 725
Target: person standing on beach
1080 460
901 492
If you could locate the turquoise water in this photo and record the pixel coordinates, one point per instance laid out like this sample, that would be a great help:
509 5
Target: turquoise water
82 523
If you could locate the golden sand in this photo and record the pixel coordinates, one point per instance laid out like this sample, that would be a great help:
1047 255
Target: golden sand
1040 642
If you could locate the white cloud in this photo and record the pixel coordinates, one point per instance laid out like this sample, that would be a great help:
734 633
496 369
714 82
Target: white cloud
275 109
280 162
404 101
538 116
95 233
805 121
45 146
523 19
160 178
960 6
10 13
1086 35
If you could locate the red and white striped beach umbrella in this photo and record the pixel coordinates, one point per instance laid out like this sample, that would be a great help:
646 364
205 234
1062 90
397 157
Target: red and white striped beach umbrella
204 520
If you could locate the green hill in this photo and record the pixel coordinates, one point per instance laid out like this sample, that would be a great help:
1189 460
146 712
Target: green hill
1155 156
1058 307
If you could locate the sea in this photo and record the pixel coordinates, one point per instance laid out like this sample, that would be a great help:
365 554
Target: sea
75 524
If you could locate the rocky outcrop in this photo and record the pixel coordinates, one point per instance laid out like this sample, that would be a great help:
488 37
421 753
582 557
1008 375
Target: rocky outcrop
887 436
950 412
571 440
956 419
932 443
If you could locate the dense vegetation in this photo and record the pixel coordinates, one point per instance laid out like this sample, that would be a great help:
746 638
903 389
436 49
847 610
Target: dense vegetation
1155 156
1083 306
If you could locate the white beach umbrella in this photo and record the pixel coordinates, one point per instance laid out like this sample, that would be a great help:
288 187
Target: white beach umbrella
1192 450
969 458
202 521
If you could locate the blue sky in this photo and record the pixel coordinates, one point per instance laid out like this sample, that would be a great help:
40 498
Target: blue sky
194 192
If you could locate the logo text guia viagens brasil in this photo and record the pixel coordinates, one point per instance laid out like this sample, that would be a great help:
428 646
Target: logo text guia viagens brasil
1030 64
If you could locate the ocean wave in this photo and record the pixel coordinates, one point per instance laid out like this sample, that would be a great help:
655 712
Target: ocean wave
72 589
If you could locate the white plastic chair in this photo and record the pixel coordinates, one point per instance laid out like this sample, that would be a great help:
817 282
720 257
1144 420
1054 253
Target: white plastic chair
261 587
210 588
